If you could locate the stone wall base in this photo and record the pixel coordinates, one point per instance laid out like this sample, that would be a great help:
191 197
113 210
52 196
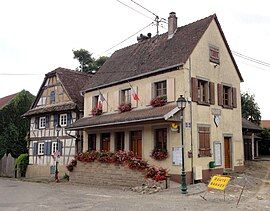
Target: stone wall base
43 171
101 174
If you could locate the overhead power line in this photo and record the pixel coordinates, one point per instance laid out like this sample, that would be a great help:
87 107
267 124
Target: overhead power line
260 62
128 37
21 74
134 9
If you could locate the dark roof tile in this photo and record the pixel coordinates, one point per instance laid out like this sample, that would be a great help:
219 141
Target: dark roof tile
5 100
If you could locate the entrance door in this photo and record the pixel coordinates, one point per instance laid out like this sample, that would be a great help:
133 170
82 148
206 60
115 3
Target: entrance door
105 142
248 149
136 142
227 152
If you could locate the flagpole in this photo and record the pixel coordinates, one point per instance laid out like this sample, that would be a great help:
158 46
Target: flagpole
135 92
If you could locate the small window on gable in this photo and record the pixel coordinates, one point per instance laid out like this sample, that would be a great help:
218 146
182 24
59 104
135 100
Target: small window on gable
160 89
214 55
125 96
52 97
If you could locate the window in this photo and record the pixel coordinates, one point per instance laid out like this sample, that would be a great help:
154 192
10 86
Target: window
52 97
125 96
42 122
95 101
54 147
227 96
42 101
160 89
214 54
204 142
227 92
41 148
161 139
203 91
105 142
119 141
63 120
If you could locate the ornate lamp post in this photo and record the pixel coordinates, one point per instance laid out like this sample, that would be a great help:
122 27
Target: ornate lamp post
181 104
57 153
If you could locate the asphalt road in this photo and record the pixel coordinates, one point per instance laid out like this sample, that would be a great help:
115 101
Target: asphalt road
19 195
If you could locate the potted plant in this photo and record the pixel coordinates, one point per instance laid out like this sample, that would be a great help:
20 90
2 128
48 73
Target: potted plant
159 154
158 101
96 111
124 107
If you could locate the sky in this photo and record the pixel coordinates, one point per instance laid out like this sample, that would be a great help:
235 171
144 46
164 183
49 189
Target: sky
38 36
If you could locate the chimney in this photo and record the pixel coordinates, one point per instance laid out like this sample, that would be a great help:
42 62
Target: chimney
172 24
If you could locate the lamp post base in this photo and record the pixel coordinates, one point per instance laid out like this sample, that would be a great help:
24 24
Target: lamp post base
183 186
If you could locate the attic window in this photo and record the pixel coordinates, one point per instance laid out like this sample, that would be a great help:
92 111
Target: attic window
52 97
214 54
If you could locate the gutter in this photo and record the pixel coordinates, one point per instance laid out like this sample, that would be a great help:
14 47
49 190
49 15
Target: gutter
132 78
116 123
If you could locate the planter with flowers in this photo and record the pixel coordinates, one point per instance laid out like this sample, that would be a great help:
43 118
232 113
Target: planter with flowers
159 154
158 101
124 107
96 111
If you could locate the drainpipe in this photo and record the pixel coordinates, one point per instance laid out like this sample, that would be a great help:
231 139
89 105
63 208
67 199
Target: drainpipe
191 118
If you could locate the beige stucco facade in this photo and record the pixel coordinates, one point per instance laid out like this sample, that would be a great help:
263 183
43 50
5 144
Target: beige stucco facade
179 83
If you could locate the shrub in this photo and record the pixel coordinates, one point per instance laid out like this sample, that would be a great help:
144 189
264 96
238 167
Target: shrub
159 154
156 173
124 107
96 111
22 162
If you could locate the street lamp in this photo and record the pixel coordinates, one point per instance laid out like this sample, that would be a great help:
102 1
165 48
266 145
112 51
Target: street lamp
181 104
57 153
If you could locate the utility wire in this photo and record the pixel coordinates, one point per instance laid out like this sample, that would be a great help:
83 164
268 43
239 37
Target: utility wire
144 8
251 59
128 37
134 9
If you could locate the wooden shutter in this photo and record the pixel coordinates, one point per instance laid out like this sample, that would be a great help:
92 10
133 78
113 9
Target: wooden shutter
55 120
230 97
47 121
117 99
69 118
170 90
194 85
49 148
149 93
220 94
35 148
45 148
134 103
36 122
105 103
234 96
60 147
212 93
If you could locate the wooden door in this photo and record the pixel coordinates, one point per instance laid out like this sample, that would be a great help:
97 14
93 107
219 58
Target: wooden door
105 142
136 143
247 149
227 152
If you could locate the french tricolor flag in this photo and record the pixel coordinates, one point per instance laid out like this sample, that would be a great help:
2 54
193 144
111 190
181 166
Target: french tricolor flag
134 94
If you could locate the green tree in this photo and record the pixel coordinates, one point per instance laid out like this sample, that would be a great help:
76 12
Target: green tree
13 127
250 109
88 63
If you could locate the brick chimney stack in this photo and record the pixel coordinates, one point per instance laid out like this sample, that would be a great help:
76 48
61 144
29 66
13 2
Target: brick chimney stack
172 24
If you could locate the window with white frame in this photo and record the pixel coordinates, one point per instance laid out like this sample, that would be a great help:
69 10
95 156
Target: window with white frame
63 120
42 122
41 148
54 147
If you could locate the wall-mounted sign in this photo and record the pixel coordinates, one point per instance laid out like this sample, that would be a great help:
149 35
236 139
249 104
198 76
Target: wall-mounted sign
217 120
174 127
177 156
217 153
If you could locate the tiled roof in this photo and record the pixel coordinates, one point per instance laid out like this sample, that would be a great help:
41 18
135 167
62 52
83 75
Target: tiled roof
265 123
156 53
51 108
133 116
72 81
5 100
250 125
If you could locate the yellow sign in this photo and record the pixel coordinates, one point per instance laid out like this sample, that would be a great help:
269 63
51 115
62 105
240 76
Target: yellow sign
174 127
219 182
